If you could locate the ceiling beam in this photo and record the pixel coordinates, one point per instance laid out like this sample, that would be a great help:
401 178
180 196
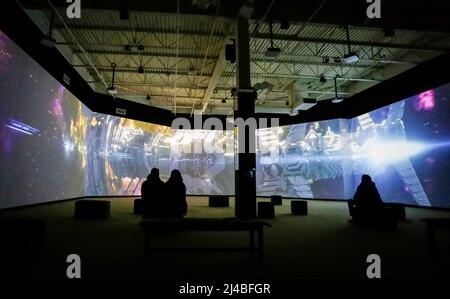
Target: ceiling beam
294 38
150 54
280 37
142 30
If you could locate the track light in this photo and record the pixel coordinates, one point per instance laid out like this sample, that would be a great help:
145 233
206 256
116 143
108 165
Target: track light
323 79
224 101
148 97
140 69
287 103
140 48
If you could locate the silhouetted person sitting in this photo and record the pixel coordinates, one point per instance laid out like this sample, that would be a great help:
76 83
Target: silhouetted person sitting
152 194
175 195
369 205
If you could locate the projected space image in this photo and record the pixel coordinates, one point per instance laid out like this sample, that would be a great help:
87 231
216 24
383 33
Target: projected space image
121 153
403 146
37 137
53 147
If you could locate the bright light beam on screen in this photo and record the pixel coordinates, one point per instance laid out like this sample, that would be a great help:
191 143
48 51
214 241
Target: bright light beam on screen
21 127
389 152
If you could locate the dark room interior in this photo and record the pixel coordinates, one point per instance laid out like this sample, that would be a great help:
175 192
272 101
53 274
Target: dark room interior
224 147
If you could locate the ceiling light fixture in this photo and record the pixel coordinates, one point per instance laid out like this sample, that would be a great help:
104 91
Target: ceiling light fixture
140 69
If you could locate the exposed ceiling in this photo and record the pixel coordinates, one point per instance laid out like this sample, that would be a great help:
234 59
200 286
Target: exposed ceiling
184 66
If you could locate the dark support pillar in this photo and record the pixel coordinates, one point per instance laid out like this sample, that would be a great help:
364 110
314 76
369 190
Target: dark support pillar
245 183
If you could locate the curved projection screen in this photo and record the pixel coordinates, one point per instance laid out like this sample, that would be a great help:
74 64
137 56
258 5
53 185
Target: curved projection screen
403 146
53 147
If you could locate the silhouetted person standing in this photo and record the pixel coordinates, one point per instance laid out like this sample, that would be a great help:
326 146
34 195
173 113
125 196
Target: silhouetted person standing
367 199
175 194
152 194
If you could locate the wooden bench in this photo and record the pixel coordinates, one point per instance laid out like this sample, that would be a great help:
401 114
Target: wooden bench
432 225
167 224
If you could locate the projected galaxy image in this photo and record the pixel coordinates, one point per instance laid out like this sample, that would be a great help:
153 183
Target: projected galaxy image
53 147
38 137
403 146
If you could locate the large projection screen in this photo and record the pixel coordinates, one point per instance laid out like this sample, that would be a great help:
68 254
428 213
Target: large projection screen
403 146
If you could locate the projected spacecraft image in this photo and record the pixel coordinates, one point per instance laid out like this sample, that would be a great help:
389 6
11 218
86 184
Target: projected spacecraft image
403 146
121 153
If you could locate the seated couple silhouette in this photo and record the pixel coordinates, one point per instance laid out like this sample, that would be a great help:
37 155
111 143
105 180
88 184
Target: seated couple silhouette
164 199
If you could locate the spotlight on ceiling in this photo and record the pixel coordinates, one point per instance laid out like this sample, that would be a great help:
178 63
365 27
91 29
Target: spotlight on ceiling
148 97
326 59
337 60
272 51
140 69
287 103
128 48
124 15
350 57
224 101
140 48
323 79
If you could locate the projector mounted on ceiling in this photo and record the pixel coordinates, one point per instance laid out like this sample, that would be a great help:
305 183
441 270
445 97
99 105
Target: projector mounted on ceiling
272 51
48 41
337 99
111 90
351 57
